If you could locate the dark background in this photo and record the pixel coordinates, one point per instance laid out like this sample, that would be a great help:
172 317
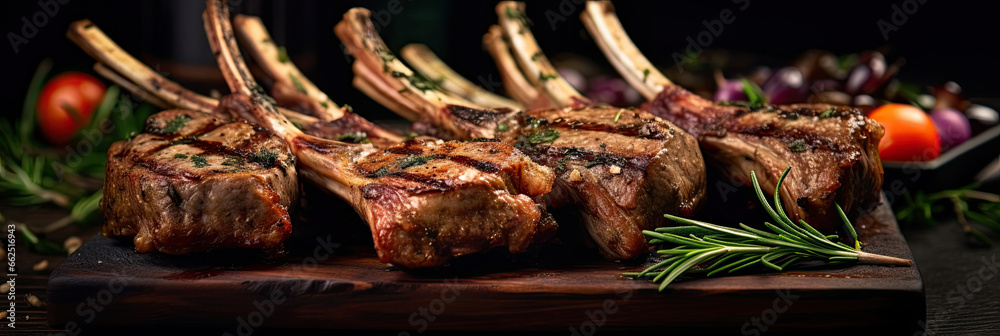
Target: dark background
942 41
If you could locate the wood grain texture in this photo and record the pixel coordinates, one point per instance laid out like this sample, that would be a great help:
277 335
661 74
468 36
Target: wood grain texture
350 289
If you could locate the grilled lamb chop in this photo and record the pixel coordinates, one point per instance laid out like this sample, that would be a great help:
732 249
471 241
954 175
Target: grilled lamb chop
623 168
195 182
425 201
833 150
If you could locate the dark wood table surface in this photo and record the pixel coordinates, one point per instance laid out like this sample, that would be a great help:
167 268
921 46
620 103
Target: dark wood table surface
961 280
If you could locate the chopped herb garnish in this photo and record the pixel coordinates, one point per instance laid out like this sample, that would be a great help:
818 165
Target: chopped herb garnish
234 161
297 83
798 145
537 55
358 137
416 160
411 135
645 74
755 96
618 115
348 108
180 156
518 15
544 77
264 157
283 55
381 172
502 127
539 137
418 81
176 124
199 161
324 104
828 113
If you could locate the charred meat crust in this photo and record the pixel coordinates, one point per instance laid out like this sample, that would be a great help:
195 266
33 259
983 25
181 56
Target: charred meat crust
833 150
626 167
195 182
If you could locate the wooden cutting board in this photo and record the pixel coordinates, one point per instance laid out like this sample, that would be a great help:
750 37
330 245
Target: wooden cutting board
329 286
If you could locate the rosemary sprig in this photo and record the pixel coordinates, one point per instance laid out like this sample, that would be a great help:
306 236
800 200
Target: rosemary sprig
713 250
967 204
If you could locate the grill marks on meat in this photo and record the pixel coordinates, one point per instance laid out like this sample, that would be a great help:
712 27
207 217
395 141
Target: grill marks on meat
625 174
833 150
425 201
194 182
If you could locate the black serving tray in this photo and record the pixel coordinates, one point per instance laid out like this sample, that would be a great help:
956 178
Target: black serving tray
953 169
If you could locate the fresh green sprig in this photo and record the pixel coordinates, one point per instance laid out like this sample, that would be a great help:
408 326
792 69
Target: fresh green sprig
968 205
714 250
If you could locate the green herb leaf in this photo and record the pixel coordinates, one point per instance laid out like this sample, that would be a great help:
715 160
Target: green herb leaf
297 83
264 157
283 55
358 137
755 96
43 247
176 124
199 161
721 250
645 74
828 113
180 156
544 77
518 15
798 146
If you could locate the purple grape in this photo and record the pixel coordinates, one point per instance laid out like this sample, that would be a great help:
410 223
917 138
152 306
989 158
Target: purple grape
867 75
952 127
730 90
786 86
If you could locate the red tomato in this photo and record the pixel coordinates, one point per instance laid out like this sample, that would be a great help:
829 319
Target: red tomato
66 105
910 134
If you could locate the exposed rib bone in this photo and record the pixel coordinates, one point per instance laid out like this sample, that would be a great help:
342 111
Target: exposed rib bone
622 168
395 82
514 81
838 161
428 64
106 72
287 76
265 52
409 208
532 60
120 67
601 21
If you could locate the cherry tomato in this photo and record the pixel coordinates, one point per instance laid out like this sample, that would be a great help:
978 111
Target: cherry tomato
66 104
910 134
